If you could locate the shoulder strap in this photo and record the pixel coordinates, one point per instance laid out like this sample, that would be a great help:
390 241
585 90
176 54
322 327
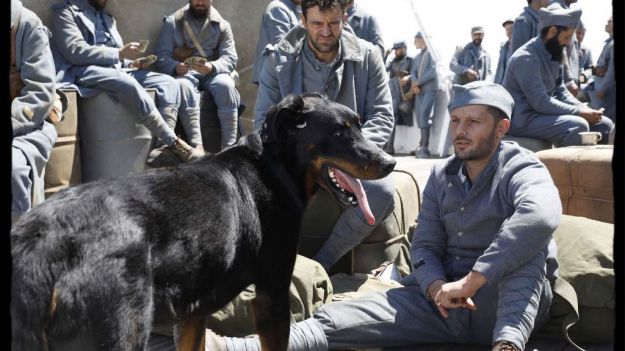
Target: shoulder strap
197 45
565 290
13 44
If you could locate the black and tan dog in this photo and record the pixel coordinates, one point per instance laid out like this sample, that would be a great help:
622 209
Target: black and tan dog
96 265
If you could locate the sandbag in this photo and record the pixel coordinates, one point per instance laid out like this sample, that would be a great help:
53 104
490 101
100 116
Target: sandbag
585 256
583 176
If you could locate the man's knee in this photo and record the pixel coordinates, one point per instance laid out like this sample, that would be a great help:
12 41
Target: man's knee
224 92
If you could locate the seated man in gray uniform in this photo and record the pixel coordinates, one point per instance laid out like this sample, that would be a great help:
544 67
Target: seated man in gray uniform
279 17
471 62
364 25
32 92
319 56
480 249
543 107
198 33
90 53
424 80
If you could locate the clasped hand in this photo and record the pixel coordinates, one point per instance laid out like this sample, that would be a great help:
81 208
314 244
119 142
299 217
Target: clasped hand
457 294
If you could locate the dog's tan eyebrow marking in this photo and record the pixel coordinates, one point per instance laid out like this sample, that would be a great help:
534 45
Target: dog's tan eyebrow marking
348 125
311 146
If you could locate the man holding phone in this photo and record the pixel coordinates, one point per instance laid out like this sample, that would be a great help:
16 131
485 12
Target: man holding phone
196 46
89 52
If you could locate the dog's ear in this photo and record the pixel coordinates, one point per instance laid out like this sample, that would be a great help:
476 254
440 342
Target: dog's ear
286 115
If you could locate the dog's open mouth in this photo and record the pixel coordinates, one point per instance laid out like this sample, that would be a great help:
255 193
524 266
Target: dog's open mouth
349 191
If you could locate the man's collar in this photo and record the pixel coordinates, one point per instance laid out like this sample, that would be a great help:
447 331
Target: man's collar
455 165
294 40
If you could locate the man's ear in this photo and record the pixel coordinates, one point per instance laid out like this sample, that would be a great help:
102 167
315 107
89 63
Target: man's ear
502 127
552 32
345 16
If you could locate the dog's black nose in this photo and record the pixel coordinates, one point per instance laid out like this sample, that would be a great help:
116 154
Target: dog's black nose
387 164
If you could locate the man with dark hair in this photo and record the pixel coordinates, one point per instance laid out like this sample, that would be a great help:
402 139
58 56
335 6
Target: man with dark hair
196 46
31 81
91 54
471 62
504 52
526 24
481 273
279 17
319 56
364 25
544 108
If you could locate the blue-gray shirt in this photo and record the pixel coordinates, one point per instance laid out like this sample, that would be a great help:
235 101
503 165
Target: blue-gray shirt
525 27
470 57
279 17
504 221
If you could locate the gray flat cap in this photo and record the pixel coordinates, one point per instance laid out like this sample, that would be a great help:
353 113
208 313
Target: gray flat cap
477 29
509 20
555 15
419 35
481 92
399 44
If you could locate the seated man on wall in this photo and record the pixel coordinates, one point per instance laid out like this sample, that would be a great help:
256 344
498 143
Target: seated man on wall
471 62
482 254
92 55
32 92
543 106
196 46
319 56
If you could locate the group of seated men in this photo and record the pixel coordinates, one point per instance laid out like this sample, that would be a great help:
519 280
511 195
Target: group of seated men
484 234
550 105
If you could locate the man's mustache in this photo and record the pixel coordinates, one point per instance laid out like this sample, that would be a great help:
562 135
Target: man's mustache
462 139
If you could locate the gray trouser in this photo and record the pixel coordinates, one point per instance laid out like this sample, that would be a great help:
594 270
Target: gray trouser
225 95
129 89
29 155
561 130
404 317
351 227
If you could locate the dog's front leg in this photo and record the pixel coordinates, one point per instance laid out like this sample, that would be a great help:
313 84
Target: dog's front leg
189 334
272 321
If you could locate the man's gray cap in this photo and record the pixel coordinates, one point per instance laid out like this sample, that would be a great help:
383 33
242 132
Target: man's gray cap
399 44
419 35
555 15
477 29
509 20
482 92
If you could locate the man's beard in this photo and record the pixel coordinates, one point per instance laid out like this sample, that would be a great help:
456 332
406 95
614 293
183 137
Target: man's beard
477 42
481 151
199 13
98 4
400 56
325 48
555 49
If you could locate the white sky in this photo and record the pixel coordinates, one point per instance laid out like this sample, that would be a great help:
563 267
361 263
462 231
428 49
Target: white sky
449 22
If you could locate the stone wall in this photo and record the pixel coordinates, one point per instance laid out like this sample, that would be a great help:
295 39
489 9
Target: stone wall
141 19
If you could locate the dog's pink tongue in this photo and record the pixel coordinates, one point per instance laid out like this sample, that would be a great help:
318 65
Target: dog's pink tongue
354 186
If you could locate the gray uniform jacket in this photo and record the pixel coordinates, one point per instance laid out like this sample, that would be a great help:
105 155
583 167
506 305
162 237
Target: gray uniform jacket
504 55
33 136
360 77
525 28
216 40
606 83
585 60
34 62
279 17
423 73
73 26
505 221
536 85
365 26
470 57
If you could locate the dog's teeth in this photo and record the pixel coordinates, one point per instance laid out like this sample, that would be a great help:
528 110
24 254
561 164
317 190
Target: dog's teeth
350 199
334 181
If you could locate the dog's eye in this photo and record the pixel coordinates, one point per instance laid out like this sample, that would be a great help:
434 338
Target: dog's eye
338 132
